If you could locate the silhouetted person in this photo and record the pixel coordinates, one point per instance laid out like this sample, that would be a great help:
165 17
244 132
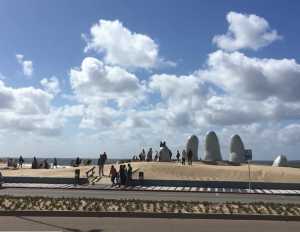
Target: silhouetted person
101 164
55 163
190 157
183 160
156 156
113 174
77 162
21 161
178 156
129 173
122 175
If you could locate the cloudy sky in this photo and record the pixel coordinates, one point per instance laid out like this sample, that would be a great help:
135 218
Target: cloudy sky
79 78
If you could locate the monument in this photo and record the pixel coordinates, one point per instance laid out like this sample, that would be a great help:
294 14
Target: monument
237 150
280 161
165 153
212 147
192 145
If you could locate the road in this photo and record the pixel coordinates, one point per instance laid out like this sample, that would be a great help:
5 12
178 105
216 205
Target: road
148 195
93 224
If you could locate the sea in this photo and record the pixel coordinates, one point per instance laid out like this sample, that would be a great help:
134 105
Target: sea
65 161
94 161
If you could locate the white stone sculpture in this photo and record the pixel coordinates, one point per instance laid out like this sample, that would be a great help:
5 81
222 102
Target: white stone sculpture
164 153
280 161
212 147
192 144
237 150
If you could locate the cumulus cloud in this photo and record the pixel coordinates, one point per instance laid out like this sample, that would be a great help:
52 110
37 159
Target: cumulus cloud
254 78
96 82
29 110
246 31
122 47
51 85
27 65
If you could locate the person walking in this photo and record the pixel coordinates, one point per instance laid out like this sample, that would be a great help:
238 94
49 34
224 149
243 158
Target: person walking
190 157
178 156
21 161
55 163
113 174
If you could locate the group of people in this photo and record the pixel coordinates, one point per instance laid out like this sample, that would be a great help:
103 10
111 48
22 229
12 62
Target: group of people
121 177
189 157
36 165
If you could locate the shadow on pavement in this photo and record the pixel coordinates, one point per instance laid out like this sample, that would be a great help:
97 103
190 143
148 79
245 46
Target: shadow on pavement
58 227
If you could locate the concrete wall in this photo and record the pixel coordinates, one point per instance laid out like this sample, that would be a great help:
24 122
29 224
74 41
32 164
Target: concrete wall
45 180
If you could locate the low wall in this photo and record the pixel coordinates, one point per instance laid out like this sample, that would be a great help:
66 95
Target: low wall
44 180
218 184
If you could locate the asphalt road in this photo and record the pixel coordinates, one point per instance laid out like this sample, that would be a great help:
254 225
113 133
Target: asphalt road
148 195
93 224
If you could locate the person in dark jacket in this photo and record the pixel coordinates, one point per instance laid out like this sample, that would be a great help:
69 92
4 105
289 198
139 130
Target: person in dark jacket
190 157
21 161
178 156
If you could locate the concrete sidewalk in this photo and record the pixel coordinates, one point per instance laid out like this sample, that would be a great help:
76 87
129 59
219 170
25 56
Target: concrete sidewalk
152 188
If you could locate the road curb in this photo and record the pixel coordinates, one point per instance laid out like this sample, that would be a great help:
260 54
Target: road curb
144 190
150 215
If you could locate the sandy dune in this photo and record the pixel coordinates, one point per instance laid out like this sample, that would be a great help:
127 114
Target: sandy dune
175 171
199 171
54 172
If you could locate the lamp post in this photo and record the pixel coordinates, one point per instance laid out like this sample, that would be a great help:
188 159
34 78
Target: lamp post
249 175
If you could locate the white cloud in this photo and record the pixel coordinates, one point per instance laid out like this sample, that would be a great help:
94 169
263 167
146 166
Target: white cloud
253 78
122 47
246 31
27 65
51 85
97 82
28 110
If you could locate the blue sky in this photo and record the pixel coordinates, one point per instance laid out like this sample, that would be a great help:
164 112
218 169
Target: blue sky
182 90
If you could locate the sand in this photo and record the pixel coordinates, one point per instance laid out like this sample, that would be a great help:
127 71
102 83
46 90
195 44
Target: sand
65 171
200 171
175 171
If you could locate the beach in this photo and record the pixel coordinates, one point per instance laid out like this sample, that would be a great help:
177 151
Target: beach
199 171
61 171
175 171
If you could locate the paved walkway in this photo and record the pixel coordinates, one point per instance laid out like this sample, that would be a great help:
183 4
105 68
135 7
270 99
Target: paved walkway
152 188
96 224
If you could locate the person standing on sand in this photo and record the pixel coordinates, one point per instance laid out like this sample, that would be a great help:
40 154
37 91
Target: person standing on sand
129 173
55 163
178 156
101 162
190 157
21 161
100 165
183 157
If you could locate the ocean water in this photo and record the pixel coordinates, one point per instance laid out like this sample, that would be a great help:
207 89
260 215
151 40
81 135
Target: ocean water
65 161
68 161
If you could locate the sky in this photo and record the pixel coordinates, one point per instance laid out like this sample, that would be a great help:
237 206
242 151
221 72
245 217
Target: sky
84 77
